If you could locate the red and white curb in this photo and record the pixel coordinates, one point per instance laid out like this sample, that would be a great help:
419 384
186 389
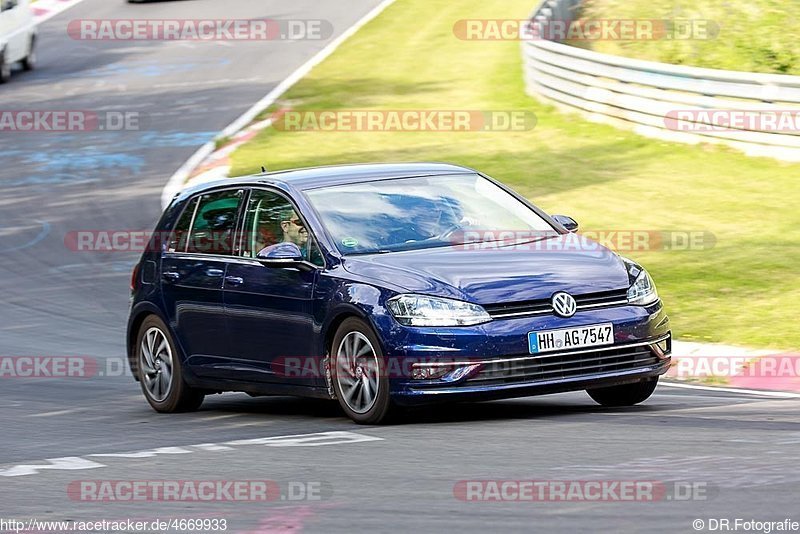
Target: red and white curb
46 9
717 367
210 163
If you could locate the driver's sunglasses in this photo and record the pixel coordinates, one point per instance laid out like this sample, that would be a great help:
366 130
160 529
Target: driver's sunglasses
297 222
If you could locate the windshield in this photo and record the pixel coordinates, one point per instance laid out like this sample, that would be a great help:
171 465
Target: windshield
423 212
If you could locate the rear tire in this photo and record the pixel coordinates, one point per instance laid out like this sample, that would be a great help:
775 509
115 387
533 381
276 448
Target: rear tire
358 373
160 370
29 63
625 394
5 68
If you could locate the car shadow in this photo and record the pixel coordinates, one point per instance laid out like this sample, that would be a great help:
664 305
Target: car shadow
527 408
461 412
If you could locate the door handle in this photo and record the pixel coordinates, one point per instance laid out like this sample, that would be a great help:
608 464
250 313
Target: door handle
171 276
216 273
234 280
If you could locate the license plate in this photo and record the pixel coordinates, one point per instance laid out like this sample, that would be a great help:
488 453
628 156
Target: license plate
595 335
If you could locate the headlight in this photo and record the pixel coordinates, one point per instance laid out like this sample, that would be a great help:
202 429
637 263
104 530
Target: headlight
419 310
643 290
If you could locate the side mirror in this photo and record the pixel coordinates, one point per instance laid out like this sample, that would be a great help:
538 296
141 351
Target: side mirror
281 255
567 222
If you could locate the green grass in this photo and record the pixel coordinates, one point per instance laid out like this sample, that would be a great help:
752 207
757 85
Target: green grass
754 35
743 291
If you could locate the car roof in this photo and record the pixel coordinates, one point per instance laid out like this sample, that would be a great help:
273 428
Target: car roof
313 177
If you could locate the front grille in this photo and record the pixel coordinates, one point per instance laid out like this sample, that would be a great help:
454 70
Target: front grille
544 306
531 307
604 297
553 367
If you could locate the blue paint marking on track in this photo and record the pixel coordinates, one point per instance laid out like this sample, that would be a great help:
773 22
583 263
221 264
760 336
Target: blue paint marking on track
52 179
153 69
85 160
43 232
176 139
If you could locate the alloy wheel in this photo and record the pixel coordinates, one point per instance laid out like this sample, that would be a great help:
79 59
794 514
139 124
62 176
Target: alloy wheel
357 372
156 364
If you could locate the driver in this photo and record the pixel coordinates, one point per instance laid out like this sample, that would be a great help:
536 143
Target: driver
294 231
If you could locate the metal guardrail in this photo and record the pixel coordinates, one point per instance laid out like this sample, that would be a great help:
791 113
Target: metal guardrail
644 95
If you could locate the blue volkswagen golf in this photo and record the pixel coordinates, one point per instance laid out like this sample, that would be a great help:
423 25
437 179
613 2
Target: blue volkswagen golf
382 286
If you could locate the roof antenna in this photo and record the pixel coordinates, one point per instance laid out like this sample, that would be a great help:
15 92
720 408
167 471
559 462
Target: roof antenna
263 169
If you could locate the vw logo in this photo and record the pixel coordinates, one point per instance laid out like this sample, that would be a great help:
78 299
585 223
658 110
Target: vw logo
564 305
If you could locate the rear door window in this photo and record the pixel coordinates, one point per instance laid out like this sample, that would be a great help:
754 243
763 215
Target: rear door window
213 230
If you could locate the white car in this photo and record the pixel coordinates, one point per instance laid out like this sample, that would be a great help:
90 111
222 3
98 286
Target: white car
17 36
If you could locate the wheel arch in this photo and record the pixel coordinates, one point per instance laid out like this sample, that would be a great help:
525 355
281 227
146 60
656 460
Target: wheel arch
341 315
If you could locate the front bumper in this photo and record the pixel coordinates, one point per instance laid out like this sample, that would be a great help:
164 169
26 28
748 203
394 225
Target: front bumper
492 361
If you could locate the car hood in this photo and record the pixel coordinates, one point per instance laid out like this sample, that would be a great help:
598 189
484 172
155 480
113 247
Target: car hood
498 274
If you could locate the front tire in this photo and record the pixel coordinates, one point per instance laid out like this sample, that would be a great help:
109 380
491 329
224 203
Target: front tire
625 394
358 373
160 370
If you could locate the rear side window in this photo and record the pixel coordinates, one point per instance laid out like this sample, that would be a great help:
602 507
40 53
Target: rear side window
214 226
180 234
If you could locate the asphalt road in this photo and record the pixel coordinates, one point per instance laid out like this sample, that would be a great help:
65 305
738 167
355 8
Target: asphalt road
741 451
